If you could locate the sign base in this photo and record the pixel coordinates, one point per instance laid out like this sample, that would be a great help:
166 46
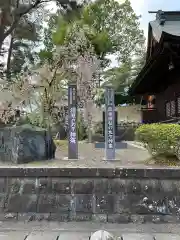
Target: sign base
107 160
69 159
119 145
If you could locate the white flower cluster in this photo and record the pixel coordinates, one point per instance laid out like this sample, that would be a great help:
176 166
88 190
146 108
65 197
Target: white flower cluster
79 58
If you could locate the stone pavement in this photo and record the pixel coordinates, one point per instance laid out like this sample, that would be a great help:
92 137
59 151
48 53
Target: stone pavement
83 231
82 236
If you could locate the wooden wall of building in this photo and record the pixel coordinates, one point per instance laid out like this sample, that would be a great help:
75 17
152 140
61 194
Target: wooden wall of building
167 98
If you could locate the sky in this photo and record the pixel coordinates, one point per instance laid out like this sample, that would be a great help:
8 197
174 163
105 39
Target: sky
141 7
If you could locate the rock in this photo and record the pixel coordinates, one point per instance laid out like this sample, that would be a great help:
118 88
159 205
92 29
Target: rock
10 216
25 143
102 235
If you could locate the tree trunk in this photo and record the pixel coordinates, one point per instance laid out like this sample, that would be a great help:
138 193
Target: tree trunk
1 37
1 43
3 24
8 71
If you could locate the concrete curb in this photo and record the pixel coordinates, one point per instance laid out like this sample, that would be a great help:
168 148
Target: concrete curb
137 145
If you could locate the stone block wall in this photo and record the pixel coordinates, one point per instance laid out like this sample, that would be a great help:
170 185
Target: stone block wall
102 195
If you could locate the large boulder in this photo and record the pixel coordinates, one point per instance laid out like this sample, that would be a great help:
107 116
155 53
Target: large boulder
25 143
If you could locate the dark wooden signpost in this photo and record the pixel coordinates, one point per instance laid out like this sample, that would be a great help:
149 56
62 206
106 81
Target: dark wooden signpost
110 145
72 122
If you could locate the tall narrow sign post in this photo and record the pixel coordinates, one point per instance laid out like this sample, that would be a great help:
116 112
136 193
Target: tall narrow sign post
109 124
72 122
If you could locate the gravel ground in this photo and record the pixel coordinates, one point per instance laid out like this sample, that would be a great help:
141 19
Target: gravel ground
89 227
91 157
82 231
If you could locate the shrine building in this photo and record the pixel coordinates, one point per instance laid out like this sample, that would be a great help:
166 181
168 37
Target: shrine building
158 83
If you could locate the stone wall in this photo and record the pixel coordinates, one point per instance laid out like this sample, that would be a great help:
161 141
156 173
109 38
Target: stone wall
103 195
126 131
125 113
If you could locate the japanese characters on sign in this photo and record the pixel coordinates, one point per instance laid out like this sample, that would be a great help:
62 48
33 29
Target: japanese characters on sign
110 124
73 125
72 95
110 127
72 122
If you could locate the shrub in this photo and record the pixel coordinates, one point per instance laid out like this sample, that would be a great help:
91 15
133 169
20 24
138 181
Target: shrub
160 138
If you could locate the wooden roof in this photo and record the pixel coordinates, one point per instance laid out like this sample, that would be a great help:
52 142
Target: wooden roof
164 29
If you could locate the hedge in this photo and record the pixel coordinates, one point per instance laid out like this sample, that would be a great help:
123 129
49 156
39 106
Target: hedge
160 138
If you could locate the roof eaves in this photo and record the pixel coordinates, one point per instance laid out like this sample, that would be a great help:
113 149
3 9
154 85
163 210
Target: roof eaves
149 64
140 76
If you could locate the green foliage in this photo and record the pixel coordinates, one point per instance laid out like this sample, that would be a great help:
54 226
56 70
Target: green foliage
22 57
118 99
102 43
122 99
110 27
121 79
120 23
35 119
54 35
23 40
23 23
59 36
118 76
159 138
27 29
43 54
14 12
